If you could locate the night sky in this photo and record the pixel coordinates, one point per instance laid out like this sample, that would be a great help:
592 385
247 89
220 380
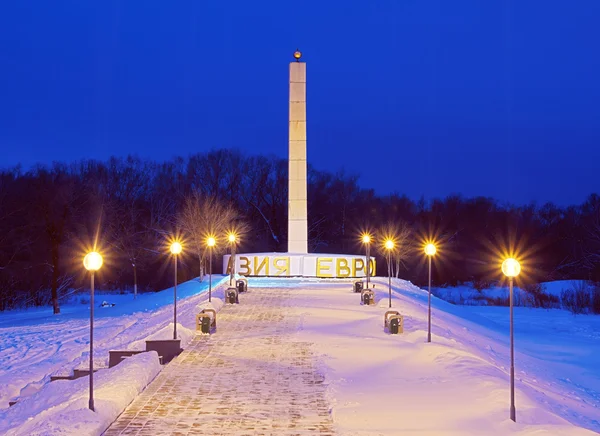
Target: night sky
427 98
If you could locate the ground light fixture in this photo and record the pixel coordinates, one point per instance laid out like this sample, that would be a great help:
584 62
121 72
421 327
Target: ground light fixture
511 269
92 262
210 243
176 248
366 239
389 246
430 251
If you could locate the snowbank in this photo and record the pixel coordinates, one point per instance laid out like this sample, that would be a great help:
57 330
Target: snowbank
458 384
557 287
184 334
61 407
216 304
377 383
466 294
35 345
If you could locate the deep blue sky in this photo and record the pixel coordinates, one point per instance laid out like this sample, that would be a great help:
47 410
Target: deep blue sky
492 97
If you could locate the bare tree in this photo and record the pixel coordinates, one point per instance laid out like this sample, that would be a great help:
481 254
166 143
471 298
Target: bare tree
130 237
401 234
55 203
128 227
590 257
11 227
203 217
264 189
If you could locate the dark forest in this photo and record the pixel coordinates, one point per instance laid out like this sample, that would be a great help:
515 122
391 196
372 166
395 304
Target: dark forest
129 208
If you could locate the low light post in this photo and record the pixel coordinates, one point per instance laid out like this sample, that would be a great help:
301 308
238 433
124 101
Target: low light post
175 249
210 242
92 262
366 239
389 246
429 251
511 269
232 241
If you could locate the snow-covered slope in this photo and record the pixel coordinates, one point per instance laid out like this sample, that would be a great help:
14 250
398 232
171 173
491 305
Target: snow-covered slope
458 384
61 408
466 294
35 344
378 384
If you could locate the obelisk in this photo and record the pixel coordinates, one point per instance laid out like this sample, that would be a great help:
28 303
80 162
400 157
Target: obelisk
297 209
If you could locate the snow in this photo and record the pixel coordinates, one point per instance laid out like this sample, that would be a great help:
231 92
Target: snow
37 344
62 406
377 383
468 295
184 334
458 384
556 288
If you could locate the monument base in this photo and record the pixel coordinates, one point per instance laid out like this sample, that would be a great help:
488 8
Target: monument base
299 265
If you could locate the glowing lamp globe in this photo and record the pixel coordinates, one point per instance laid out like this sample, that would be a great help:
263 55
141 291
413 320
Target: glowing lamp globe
389 244
231 238
297 54
176 247
210 241
92 261
430 249
366 239
511 267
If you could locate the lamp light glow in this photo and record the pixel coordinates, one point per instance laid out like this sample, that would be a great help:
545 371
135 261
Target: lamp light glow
211 241
231 237
511 267
92 261
430 249
366 238
176 247
389 244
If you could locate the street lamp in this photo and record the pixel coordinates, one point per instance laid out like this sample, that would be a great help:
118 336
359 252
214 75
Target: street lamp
389 246
176 249
429 251
511 268
232 240
92 262
366 239
210 242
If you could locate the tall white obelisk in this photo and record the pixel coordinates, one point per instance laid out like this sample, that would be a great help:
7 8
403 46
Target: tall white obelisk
297 209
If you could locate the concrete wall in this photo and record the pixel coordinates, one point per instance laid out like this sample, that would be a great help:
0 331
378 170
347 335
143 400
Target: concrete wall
299 265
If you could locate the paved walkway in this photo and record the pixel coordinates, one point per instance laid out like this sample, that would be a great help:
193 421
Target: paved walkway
250 378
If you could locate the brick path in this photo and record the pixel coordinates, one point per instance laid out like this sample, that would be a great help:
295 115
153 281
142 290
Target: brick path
250 378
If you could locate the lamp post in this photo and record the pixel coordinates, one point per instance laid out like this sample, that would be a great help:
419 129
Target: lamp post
366 238
429 251
92 262
232 240
210 242
176 249
389 246
511 268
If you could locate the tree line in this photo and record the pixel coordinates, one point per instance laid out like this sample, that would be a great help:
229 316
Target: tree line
130 208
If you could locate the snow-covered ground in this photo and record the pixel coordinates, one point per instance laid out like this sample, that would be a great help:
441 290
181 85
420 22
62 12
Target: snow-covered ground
62 406
466 294
458 384
35 344
378 384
